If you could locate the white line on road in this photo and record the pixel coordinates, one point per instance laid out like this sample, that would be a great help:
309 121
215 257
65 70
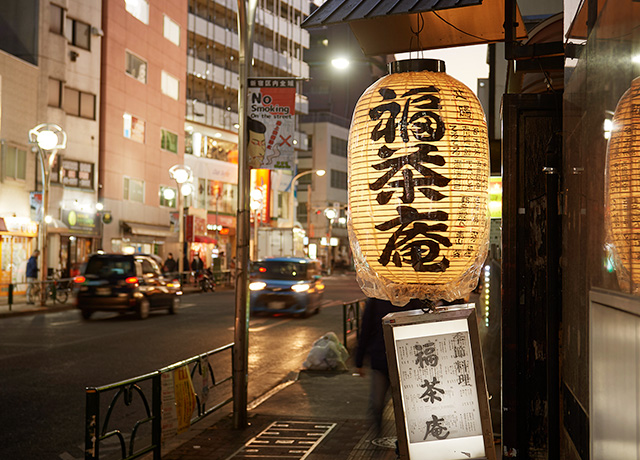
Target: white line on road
187 305
62 323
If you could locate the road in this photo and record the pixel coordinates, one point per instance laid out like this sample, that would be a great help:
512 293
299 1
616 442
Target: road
47 360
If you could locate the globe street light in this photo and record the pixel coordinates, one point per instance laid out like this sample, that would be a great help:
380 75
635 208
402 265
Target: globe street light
319 173
183 176
49 138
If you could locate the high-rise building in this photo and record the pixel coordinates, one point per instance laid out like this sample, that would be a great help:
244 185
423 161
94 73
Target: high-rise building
142 122
211 128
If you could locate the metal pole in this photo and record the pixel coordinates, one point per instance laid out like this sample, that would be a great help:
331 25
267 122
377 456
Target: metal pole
44 171
246 17
180 233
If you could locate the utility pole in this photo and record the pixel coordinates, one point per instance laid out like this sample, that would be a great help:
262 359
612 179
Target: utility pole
246 22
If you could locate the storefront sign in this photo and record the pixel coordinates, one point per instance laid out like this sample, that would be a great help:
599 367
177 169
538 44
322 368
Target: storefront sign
76 174
439 390
195 226
79 220
35 203
272 103
22 226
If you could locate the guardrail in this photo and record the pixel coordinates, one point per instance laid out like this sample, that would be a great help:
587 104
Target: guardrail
351 318
129 406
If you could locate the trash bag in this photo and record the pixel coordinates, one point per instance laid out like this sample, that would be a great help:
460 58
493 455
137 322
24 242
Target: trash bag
327 353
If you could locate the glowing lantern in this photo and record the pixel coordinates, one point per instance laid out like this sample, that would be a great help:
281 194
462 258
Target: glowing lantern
622 190
418 185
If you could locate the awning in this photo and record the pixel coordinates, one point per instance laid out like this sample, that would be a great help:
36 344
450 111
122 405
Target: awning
204 239
3 226
390 26
136 228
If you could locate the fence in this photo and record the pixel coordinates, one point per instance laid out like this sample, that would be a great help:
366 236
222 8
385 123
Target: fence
351 318
130 407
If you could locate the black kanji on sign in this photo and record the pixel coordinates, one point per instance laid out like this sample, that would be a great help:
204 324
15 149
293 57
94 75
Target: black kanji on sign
426 354
431 391
436 429
415 242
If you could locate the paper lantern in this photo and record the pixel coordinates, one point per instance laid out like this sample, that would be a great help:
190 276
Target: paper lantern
418 185
622 190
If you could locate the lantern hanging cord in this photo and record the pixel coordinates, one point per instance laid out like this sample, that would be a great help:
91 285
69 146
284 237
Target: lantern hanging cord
417 34
458 29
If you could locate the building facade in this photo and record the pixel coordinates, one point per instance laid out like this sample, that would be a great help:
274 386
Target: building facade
142 122
50 74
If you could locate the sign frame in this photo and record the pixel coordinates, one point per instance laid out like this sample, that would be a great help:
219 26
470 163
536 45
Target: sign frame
418 324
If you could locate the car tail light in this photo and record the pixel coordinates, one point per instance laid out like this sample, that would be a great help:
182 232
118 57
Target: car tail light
131 280
262 269
79 279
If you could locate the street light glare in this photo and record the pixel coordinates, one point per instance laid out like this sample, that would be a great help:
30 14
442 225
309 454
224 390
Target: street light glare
340 63
321 172
186 189
47 140
99 206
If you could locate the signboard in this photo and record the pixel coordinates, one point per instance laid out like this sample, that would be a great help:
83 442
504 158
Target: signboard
80 220
194 226
439 390
76 174
270 126
178 401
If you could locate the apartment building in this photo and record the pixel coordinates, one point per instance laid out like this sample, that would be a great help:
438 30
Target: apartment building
211 127
49 73
142 122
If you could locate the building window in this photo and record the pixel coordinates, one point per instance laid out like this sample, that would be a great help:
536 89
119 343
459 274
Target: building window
169 141
168 196
338 179
139 9
78 33
15 163
136 67
338 146
77 103
171 30
55 93
134 128
133 190
56 19
170 85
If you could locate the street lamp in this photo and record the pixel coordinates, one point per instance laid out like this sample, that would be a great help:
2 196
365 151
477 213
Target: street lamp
330 213
319 173
183 176
49 138
257 197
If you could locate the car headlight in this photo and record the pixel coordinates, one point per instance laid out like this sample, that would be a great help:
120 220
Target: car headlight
300 287
257 286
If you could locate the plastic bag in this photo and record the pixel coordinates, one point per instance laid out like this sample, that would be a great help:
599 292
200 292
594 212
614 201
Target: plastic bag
327 353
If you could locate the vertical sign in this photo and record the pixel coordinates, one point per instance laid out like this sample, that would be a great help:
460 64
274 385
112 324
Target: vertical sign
439 390
270 124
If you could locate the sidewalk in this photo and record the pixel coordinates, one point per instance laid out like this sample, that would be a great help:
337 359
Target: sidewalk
318 416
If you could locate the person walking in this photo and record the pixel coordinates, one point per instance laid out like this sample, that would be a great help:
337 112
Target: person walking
32 273
371 345
170 265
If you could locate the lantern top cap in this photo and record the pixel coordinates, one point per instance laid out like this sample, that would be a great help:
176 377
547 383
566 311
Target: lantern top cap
416 65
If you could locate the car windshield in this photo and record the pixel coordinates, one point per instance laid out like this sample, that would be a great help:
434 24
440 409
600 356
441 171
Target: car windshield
279 270
105 267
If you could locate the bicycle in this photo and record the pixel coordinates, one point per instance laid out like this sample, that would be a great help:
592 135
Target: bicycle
56 291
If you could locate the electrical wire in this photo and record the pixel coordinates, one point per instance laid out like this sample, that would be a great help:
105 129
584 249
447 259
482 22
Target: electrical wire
458 29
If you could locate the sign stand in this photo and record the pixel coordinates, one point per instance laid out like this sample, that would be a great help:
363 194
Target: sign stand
438 384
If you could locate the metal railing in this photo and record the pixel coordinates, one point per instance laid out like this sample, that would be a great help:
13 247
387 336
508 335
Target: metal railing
351 318
129 406
57 291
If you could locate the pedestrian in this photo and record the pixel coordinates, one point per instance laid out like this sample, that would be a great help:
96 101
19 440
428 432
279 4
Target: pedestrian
371 345
170 265
32 273
196 263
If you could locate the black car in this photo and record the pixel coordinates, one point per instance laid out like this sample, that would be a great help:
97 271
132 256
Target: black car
125 283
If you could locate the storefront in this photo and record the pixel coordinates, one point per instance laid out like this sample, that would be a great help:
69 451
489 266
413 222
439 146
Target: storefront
18 240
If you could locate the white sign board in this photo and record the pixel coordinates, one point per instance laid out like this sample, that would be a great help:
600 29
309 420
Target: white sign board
440 398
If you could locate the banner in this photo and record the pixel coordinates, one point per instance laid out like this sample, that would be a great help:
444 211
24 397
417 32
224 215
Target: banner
270 125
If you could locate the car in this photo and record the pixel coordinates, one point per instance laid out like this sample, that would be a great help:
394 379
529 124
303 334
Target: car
125 283
290 285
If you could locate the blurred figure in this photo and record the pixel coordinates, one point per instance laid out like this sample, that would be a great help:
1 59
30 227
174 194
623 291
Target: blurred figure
371 344
32 273
170 265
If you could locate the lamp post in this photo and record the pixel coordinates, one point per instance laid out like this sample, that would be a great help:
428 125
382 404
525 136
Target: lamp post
330 214
49 138
183 176
319 173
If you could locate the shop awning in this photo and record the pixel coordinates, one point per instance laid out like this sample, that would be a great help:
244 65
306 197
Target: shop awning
136 228
3 226
204 239
390 26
